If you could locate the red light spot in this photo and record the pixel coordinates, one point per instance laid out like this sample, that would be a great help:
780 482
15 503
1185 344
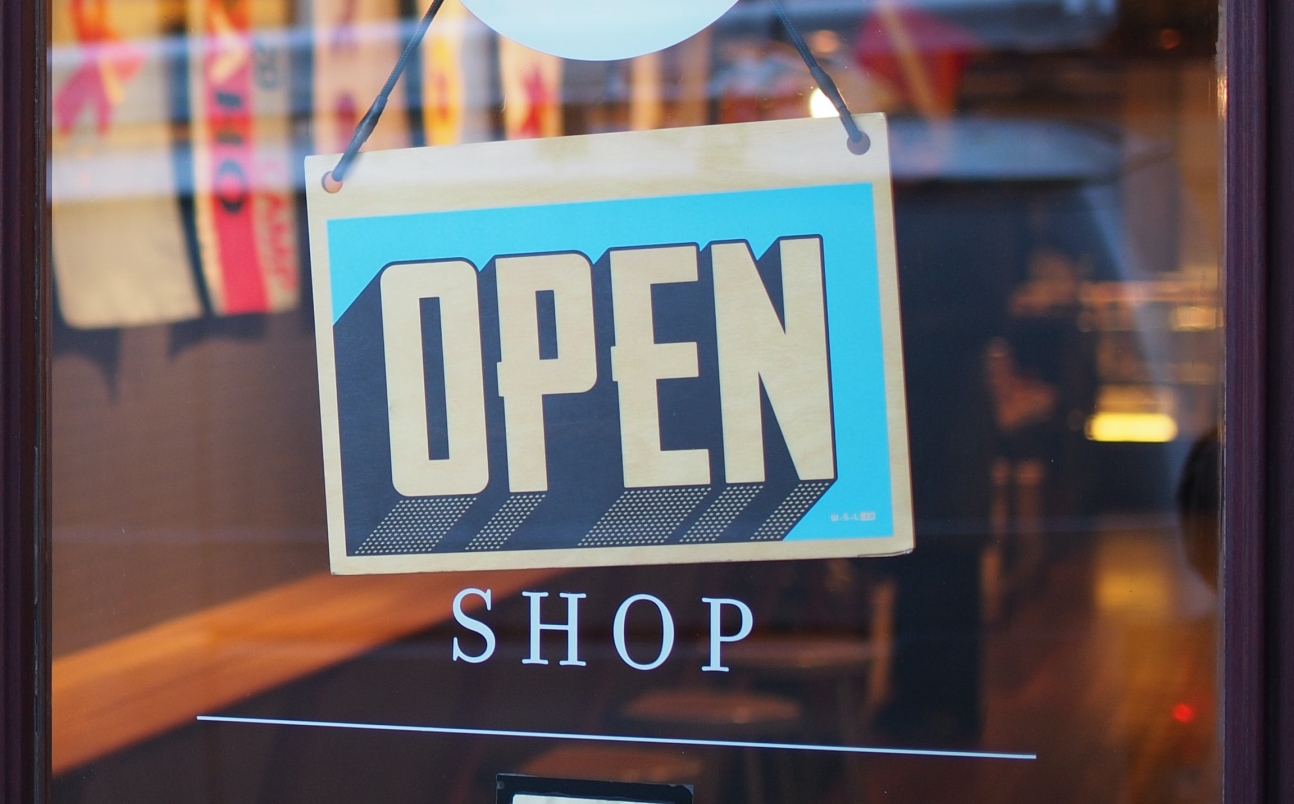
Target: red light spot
1183 713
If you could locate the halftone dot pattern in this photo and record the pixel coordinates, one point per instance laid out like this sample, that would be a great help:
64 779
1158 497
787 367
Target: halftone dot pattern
721 513
789 511
644 516
505 521
415 526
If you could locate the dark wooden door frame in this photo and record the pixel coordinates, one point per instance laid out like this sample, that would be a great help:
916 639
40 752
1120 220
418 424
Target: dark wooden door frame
1257 55
1257 649
24 397
1279 665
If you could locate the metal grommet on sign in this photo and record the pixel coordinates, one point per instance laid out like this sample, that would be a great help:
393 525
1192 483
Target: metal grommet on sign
330 184
857 146
858 142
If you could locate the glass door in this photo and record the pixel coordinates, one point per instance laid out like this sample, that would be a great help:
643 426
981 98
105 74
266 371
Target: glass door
1054 169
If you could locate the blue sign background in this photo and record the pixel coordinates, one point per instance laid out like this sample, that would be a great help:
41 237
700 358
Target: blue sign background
843 215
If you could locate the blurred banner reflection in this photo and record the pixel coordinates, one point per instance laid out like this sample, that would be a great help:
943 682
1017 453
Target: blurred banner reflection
1055 169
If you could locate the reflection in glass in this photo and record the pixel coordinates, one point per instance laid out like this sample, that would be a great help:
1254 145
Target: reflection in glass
1055 167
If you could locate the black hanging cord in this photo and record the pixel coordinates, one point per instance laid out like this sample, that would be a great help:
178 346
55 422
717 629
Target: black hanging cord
333 180
858 141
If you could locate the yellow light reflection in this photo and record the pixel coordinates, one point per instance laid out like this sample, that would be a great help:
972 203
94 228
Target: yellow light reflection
820 104
1132 578
1143 428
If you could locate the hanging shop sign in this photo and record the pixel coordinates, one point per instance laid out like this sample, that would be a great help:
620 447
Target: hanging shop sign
678 345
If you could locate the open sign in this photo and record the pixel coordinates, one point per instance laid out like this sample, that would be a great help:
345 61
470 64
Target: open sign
650 347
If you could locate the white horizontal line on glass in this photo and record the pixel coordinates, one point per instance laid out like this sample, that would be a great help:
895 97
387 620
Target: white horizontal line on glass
617 738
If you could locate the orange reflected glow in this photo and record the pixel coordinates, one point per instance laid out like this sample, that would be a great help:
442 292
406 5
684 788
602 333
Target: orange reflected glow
1146 428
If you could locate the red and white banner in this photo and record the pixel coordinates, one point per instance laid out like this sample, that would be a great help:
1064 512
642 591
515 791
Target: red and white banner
532 91
456 97
119 250
356 44
242 155
443 92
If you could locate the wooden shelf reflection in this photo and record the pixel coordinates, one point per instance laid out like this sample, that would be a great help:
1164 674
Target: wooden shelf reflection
118 693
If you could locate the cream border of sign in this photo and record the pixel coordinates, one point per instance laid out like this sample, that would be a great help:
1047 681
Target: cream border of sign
603 167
